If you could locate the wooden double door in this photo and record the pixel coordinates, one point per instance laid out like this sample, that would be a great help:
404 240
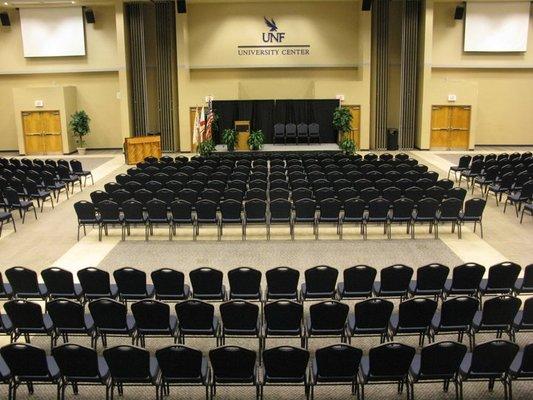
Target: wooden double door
450 127
42 132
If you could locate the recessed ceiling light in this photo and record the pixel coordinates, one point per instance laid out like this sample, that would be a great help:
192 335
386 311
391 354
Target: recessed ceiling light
6 3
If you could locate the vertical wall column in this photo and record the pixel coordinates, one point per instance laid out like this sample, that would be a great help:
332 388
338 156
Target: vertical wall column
123 70
380 28
408 77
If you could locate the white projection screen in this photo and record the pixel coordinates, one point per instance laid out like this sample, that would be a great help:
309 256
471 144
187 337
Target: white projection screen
52 32
496 27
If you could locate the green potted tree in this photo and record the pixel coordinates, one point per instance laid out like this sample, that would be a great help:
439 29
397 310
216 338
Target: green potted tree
229 138
342 121
206 148
256 139
79 125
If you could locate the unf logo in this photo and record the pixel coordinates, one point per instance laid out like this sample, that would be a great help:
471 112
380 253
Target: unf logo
273 36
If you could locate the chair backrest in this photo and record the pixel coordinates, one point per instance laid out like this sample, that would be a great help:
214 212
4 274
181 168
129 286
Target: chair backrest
75 361
239 314
464 161
58 281
329 315
527 359
66 313
24 314
442 358
314 128
128 362
156 209
359 278
255 209
390 360
373 313
179 362
108 314
151 314
109 210
467 276
458 311
23 280
427 208
290 129
474 207
330 208
130 280
282 280
431 276
450 208
321 279
244 281
167 281
503 275
283 315
395 277
528 276
25 360
206 280
133 210
94 281
286 362
279 129
338 361
416 312
195 314
500 310
232 363
494 356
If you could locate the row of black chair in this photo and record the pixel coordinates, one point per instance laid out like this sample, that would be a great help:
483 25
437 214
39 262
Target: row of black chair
396 281
470 167
174 213
299 133
280 319
391 363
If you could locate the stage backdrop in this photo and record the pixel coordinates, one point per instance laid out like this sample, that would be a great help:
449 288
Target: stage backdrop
263 114
273 34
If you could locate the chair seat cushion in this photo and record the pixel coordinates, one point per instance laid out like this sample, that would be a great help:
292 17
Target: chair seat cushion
341 289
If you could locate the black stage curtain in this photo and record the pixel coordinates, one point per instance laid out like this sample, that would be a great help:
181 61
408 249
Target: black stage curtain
263 114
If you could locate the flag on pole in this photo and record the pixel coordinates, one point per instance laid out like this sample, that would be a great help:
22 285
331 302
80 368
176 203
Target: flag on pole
209 125
196 128
202 125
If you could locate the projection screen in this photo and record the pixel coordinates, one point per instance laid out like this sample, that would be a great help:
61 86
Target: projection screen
52 32
496 27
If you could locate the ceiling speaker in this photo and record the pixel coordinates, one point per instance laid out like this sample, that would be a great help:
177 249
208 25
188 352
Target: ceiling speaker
89 16
182 7
4 18
459 12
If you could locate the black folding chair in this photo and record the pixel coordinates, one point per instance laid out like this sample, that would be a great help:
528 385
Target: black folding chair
131 283
414 318
371 318
319 283
455 316
96 284
112 319
153 319
207 284
169 285
196 319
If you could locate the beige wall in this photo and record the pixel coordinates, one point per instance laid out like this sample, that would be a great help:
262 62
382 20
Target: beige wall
95 77
498 86
262 83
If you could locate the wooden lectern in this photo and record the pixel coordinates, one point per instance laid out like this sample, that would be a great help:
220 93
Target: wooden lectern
136 149
243 133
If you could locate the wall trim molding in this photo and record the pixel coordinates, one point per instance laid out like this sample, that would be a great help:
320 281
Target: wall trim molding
481 66
43 71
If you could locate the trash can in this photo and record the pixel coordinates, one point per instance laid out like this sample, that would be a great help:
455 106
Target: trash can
392 139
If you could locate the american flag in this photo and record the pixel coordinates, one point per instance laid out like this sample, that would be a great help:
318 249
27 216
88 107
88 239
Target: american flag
209 125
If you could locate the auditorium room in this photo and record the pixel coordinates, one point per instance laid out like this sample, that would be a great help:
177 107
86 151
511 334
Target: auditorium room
266 199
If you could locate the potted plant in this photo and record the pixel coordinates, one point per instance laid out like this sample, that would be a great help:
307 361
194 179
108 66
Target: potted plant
229 138
256 139
79 125
342 121
206 148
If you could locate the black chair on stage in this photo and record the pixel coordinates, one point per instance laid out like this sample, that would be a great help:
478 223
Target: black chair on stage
207 284
438 362
80 366
455 316
489 361
314 132
335 365
283 319
302 133
430 280
371 318
31 366
285 366
279 132
96 284
131 283
319 283
385 364
244 284
169 285
196 319
290 132
182 366
132 366
282 283
394 281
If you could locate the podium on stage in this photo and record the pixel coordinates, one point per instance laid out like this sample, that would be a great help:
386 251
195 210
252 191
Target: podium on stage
243 133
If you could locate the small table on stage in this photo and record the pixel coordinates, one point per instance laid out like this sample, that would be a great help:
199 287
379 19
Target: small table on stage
243 131
136 149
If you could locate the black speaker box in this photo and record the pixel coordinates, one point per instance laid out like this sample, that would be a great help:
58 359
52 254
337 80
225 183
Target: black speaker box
89 16
4 19
392 139
459 12
182 7
367 5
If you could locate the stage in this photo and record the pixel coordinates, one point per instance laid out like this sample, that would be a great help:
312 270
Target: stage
292 148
